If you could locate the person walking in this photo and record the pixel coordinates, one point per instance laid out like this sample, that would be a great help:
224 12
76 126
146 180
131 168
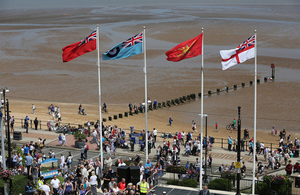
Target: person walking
205 191
36 123
170 121
29 160
217 127
34 171
93 181
289 168
64 141
12 123
55 183
33 108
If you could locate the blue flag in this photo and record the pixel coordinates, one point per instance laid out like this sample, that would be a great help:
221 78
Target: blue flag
125 49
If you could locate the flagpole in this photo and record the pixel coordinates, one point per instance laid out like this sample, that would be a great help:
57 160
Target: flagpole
99 88
146 99
255 102
201 137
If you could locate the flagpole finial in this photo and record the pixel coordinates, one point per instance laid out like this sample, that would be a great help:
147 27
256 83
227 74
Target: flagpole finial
97 25
255 31
144 27
202 28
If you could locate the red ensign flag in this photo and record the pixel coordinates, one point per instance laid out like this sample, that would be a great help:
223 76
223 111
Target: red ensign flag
187 49
74 50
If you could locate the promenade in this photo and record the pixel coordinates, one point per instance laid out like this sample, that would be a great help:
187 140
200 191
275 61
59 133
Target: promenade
219 155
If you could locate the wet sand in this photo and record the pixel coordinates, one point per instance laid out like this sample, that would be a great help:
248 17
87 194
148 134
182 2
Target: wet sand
32 68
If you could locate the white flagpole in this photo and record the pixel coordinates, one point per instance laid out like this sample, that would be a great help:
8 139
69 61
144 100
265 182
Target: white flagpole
201 137
146 99
99 88
255 98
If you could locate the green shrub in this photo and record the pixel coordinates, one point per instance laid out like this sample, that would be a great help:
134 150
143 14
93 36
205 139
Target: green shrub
189 183
18 182
173 182
262 188
176 169
220 184
279 183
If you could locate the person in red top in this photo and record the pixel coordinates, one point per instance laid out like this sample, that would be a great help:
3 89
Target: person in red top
289 168
122 185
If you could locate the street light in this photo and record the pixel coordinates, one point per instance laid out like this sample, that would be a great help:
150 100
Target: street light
2 106
205 176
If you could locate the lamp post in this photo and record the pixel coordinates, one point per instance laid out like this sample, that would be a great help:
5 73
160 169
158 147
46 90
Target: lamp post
8 133
2 104
205 166
239 153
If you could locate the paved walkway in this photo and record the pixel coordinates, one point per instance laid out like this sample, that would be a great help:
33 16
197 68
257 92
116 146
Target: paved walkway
219 155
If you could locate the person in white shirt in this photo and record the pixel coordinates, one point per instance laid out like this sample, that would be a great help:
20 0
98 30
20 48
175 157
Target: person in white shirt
142 169
121 163
64 141
45 188
83 173
154 133
93 182
62 158
107 162
55 185
262 147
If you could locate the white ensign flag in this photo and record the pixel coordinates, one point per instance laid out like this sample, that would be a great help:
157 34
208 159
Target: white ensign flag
243 52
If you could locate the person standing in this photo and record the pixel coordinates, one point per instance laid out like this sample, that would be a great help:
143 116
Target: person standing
104 107
170 121
130 107
98 174
289 168
26 124
12 122
106 180
68 188
29 160
93 181
33 108
36 123
155 104
89 125
148 165
234 123
217 127
64 141
55 183
154 133
144 187
45 187
205 191
34 171
229 143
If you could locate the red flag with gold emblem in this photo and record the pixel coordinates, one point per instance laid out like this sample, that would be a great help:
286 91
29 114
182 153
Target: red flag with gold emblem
188 49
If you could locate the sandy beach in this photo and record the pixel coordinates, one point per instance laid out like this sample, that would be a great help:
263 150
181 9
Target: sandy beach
32 67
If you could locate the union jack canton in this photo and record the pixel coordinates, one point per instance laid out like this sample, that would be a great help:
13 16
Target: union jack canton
246 45
90 37
133 40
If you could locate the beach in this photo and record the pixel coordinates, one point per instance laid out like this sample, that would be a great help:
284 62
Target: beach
32 68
